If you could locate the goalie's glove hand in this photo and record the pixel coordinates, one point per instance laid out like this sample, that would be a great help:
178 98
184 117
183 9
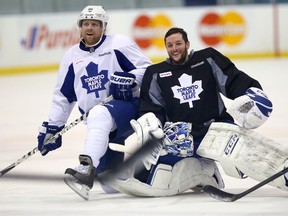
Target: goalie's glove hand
46 131
121 85
252 109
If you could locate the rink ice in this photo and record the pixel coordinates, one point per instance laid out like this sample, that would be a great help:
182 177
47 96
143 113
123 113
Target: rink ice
35 187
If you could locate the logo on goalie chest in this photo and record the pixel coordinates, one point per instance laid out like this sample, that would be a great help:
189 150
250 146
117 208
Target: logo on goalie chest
231 144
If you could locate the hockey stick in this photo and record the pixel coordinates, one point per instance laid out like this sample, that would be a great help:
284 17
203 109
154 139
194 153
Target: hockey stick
106 177
229 197
51 139
138 155
111 174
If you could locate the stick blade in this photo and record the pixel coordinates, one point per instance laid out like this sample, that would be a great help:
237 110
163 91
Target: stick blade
7 169
142 152
219 194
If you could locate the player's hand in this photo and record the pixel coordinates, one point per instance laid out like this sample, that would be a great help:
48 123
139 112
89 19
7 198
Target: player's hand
121 85
46 131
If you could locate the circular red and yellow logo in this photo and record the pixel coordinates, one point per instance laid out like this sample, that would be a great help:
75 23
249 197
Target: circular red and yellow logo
149 31
229 28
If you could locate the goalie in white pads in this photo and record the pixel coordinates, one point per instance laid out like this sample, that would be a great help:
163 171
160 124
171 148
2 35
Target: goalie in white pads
173 169
181 91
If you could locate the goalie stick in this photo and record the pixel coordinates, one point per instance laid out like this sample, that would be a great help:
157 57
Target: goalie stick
60 133
230 197
138 155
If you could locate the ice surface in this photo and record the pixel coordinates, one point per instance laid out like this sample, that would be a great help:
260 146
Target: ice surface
35 187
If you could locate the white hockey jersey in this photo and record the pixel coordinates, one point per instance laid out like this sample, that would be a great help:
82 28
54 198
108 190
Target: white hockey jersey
84 74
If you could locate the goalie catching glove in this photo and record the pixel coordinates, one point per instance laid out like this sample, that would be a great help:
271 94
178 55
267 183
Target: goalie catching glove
252 109
46 131
121 85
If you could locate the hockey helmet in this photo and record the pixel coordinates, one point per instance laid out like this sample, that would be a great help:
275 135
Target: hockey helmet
95 13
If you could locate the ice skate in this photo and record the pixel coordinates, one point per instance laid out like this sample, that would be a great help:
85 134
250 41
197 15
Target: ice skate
81 178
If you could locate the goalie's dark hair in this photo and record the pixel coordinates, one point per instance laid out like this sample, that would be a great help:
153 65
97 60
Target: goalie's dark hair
175 30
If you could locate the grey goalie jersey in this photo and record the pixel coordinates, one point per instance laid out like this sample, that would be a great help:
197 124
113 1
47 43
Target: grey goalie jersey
191 92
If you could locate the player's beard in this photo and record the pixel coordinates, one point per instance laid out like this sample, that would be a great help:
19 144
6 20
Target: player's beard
182 59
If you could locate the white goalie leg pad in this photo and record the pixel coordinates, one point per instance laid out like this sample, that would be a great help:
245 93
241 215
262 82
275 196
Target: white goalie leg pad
212 173
167 181
191 172
240 149
162 176
160 183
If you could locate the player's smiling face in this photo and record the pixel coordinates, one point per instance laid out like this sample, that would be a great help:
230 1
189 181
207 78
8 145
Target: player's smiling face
177 48
91 31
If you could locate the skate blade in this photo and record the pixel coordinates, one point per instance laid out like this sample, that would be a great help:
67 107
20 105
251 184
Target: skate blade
80 189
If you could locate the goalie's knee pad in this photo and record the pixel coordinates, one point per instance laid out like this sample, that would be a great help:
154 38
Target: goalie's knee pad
186 174
161 176
168 181
210 169
192 172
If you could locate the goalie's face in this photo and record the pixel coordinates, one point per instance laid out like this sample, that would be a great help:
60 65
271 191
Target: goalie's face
177 48
91 31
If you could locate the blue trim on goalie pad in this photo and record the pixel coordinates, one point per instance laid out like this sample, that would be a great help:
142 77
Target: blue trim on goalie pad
122 111
173 159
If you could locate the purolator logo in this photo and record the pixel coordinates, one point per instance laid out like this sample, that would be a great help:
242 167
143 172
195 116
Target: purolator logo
41 36
149 31
229 28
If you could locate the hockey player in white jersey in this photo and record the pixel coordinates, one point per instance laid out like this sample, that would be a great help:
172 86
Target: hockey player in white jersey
99 66
182 94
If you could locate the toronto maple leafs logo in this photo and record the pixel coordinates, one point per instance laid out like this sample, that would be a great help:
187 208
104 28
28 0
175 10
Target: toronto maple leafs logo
95 81
187 92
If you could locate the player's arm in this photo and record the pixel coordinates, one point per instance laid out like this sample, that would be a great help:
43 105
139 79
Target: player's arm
231 81
250 107
131 60
62 104
150 96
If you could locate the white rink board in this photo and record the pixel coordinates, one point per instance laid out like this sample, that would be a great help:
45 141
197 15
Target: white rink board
262 30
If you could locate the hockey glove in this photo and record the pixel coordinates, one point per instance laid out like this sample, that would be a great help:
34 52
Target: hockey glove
46 131
121 85
252 109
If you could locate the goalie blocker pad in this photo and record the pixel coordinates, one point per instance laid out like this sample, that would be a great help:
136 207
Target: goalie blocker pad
239 149
168 181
